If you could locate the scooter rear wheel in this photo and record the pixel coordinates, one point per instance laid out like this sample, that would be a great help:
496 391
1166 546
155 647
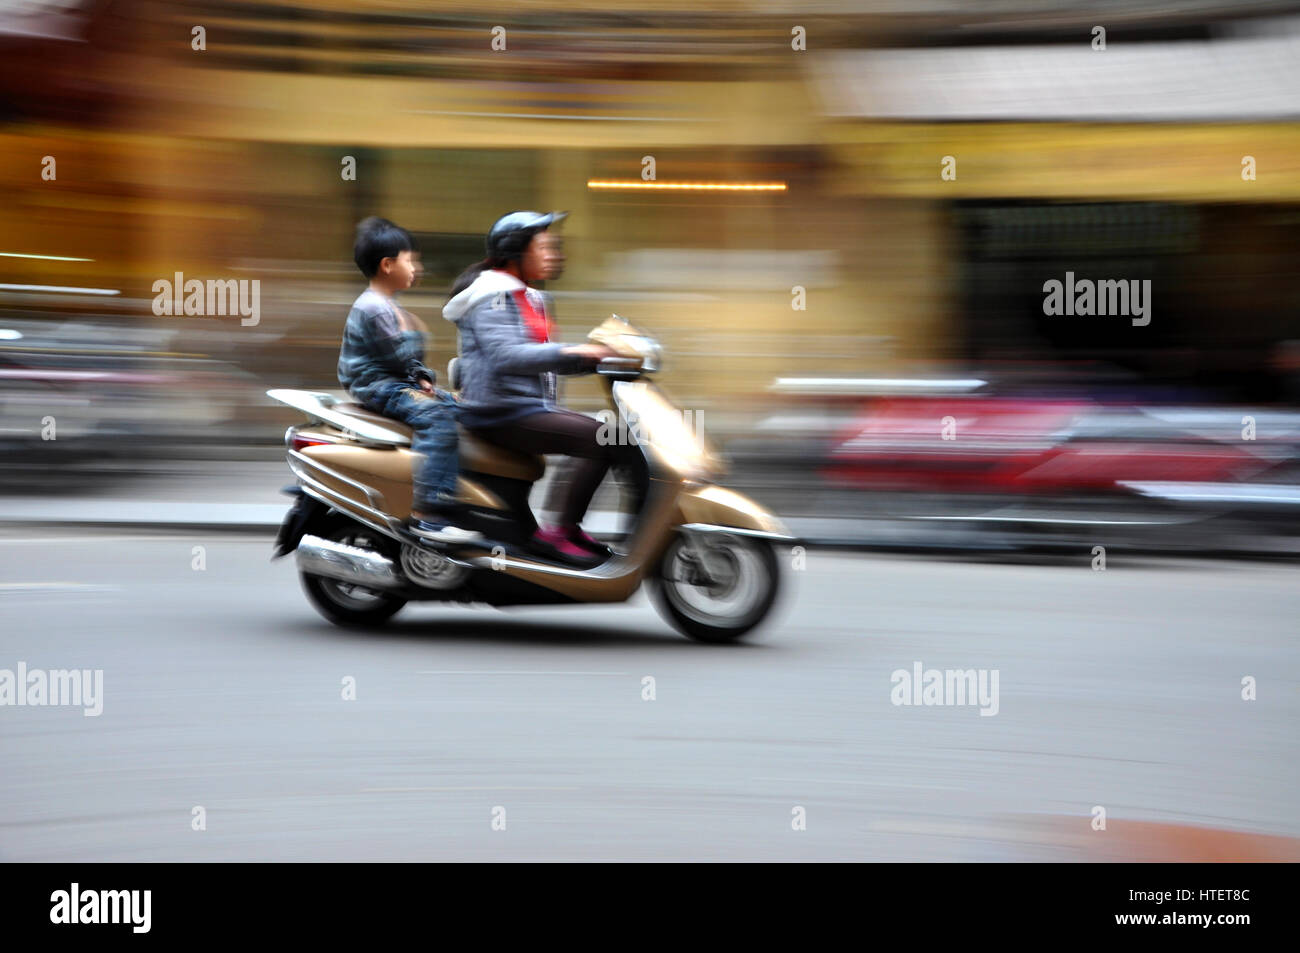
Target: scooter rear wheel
344 603
716 587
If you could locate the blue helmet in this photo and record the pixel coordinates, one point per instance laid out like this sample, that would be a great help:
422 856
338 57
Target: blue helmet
510 234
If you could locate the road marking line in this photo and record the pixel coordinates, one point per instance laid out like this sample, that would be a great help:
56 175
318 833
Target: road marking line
56 587
474 672
493 787
806 781
47 540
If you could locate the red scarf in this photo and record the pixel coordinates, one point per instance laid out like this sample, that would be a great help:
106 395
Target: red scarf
536 321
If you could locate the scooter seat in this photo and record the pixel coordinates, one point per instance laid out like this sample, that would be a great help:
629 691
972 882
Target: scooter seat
476 454
365 413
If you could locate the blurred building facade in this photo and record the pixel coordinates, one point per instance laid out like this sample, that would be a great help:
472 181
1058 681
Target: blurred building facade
937 170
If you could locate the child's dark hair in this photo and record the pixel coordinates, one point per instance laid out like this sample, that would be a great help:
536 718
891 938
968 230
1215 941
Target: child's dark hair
377 239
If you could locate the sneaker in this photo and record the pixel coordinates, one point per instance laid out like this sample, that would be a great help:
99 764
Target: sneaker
440 531
554 539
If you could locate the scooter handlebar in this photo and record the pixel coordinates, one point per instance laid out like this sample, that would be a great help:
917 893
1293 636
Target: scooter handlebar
627 367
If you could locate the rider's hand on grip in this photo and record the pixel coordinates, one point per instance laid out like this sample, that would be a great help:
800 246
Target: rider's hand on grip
592 352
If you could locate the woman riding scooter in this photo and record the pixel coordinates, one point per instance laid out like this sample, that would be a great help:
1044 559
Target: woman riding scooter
508 368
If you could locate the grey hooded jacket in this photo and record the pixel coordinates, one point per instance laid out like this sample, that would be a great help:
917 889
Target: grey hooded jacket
504 373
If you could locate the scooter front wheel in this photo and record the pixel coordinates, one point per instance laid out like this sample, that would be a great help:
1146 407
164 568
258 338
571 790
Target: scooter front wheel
716 587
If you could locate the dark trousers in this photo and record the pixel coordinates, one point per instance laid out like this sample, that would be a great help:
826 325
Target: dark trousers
575 436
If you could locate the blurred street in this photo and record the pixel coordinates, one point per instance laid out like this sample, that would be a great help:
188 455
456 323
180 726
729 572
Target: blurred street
238 488
222 689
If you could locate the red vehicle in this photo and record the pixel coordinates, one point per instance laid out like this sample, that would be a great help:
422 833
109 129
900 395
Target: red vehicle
1028 446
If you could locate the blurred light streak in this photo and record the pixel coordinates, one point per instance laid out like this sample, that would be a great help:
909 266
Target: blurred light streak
691 186
61 288
11 254
873 385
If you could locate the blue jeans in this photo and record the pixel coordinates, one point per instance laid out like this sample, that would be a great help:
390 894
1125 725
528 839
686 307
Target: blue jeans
432 419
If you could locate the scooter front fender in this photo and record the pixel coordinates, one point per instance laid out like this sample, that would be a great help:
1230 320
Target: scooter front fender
716 506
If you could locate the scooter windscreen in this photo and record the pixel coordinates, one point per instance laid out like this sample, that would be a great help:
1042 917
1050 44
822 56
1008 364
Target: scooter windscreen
674 436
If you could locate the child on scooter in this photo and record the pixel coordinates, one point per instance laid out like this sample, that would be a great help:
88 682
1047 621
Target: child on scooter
381 363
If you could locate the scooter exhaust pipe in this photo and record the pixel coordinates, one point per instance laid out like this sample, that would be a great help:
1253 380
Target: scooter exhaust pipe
362 567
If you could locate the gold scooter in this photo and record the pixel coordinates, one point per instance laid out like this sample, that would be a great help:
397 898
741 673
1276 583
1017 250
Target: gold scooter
710 554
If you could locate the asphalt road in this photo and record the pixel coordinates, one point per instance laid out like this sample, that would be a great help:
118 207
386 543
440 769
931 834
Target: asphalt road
222 689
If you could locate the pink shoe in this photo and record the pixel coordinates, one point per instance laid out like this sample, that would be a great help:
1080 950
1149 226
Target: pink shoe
580 537
558 541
